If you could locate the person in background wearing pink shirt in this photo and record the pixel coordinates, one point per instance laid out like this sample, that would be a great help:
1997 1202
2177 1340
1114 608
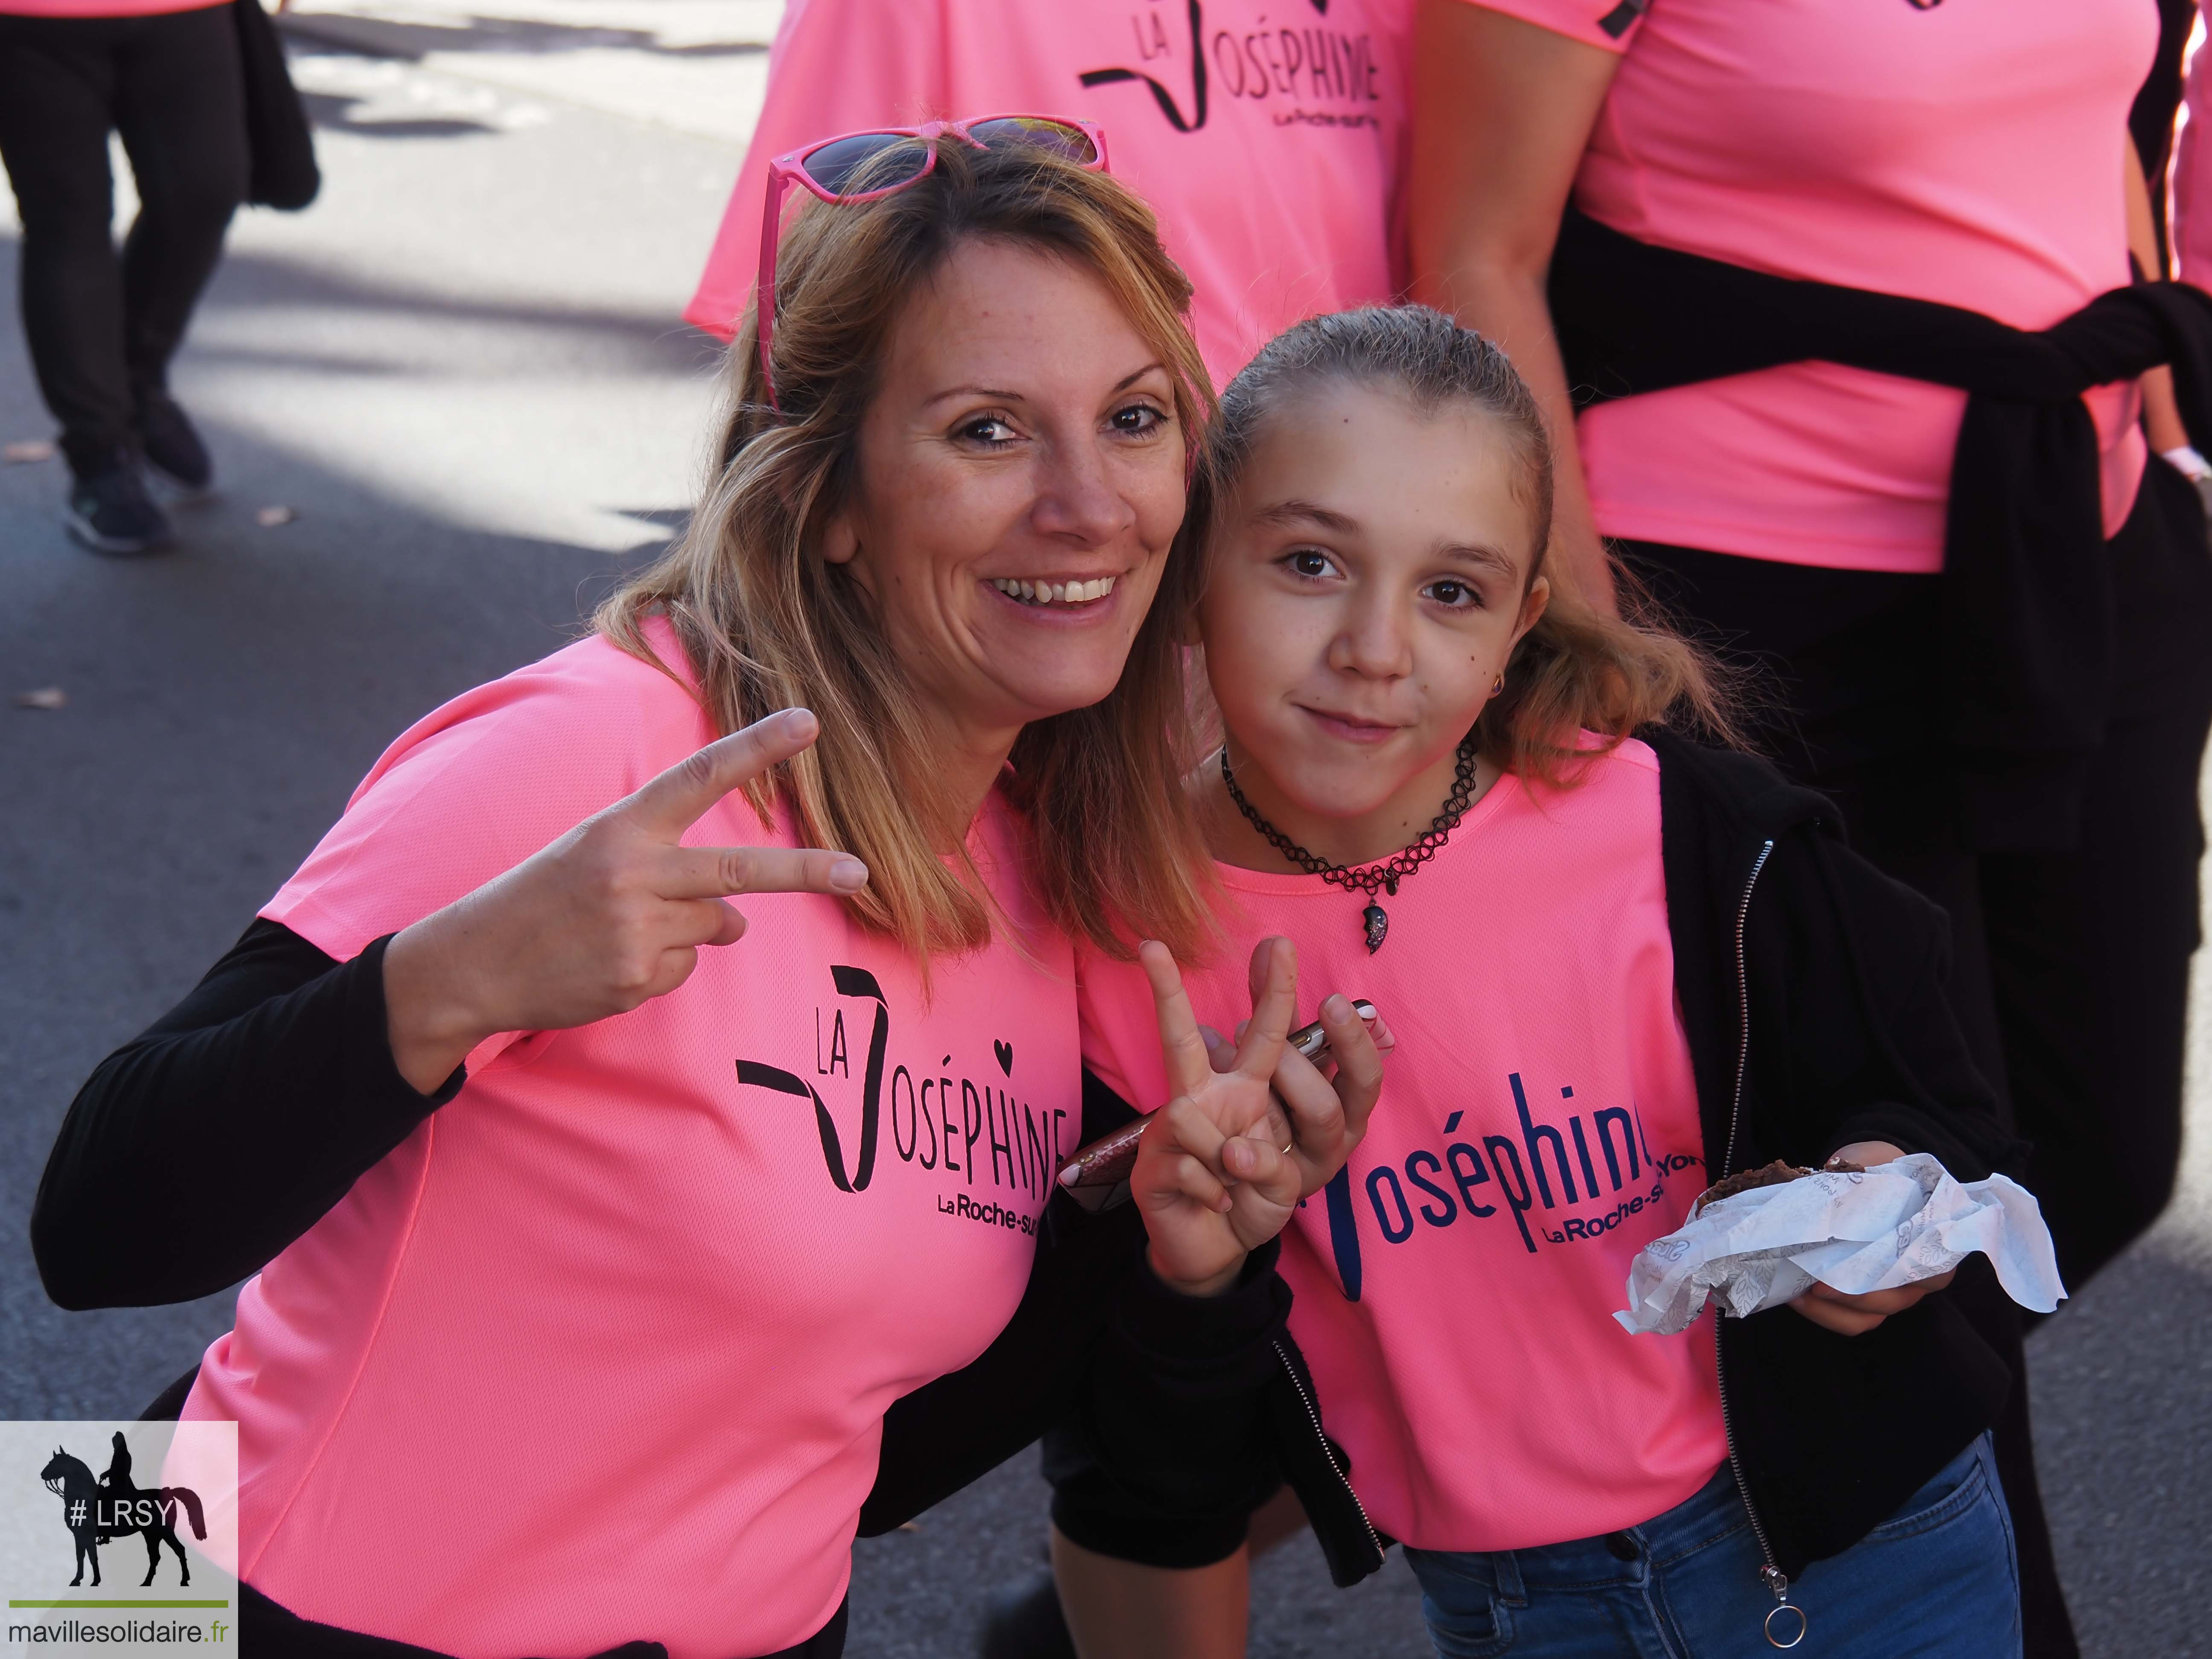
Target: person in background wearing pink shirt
166 74
2190 225
1621 965
602 1219
2193 177
1268 134
2018 737
2151 127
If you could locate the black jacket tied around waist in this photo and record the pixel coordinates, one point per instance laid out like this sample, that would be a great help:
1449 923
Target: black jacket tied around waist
2027 596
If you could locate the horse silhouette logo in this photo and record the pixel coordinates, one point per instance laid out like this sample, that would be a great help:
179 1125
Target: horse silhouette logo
97 1511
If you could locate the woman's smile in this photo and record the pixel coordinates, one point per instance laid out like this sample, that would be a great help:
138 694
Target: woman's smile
1062 594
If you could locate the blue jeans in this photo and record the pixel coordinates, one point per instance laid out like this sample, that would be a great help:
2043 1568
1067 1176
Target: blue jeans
1938 1577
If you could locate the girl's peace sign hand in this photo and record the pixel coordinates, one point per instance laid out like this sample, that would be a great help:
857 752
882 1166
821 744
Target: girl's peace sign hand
1319 1111
609 916
1212 1177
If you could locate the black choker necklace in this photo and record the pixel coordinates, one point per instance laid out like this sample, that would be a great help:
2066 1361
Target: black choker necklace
1368 877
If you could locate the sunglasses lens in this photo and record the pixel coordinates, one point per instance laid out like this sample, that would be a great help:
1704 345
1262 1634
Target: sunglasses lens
1056 138
854 166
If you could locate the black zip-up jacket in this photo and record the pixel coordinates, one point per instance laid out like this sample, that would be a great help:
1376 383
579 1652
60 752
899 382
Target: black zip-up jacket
1812 991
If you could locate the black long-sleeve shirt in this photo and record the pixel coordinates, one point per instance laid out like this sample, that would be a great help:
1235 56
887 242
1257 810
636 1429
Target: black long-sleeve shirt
201 1148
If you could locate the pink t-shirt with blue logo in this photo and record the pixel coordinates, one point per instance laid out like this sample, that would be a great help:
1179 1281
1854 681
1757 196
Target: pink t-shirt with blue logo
1969 152
1268 134
1538 1126
601 1352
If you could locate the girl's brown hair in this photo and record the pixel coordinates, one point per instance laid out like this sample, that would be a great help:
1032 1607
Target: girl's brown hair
1578 669
768 624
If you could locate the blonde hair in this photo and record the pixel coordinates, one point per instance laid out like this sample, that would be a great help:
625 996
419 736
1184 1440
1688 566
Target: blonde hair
766 622
1577 670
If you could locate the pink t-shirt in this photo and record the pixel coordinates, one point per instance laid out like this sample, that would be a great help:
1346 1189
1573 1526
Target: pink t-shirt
601 1352
1969 153
1266 134
99 7
1538 1126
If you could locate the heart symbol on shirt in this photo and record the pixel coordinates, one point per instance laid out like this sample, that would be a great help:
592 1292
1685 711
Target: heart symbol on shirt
1006 1054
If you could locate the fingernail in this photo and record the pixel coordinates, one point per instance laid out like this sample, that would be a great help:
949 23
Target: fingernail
1336 1007
798 720
849 875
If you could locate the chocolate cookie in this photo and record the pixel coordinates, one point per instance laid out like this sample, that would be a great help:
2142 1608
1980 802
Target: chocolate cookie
1772 1175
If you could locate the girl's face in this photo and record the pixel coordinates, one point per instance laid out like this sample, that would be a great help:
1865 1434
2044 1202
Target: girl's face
1024 438
1370 578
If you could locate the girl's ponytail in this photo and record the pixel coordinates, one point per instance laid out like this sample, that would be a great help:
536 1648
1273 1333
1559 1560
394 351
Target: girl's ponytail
1579 670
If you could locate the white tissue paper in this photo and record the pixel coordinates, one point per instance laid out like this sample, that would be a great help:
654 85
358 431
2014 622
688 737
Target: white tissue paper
1893 1225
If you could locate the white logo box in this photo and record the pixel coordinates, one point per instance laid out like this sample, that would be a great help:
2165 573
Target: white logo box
73 1509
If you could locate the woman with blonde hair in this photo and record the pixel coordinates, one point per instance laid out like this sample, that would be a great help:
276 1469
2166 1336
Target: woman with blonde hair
591 1257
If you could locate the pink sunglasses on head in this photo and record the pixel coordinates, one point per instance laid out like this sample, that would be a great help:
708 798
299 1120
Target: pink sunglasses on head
827 168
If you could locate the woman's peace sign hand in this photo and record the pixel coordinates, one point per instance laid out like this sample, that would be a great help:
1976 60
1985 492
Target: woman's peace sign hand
607 917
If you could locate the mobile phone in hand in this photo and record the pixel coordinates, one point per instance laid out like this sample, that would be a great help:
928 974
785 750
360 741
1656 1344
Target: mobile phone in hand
1098 1176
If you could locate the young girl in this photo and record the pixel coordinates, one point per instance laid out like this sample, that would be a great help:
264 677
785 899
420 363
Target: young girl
1618 967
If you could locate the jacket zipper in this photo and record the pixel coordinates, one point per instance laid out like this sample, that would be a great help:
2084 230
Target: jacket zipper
1743 1008
1313 1416
1773 1577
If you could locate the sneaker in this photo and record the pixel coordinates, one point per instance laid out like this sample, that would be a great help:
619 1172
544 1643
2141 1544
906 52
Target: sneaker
1023 1621
173 448
110 512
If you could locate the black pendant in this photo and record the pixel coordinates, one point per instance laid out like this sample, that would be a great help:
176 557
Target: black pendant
1377 921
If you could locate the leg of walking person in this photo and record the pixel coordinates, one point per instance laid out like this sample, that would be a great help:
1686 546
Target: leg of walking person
2091 948
57 107
57 100
180 107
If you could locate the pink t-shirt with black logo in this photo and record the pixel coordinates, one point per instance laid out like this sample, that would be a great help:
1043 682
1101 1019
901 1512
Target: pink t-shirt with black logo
1266 134
1454 1290
601 1352
1968 152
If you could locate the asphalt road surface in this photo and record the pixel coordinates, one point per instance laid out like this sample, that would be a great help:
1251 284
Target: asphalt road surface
463 375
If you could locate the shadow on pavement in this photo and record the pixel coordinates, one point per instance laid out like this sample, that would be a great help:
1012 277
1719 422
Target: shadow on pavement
223 699
255 281
391 38
329 110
